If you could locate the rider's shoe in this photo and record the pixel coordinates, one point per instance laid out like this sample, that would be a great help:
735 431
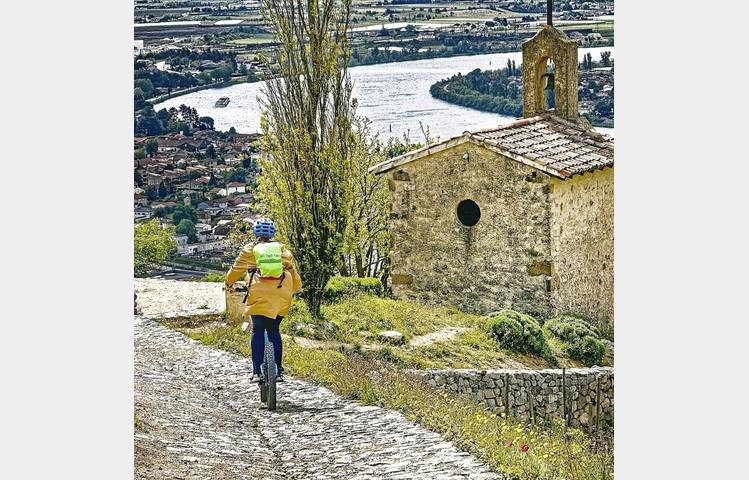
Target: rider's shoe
255 378
280 377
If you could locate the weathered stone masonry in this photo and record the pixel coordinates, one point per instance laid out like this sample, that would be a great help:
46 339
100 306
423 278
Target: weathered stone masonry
491 265
583 207
543 245
537 394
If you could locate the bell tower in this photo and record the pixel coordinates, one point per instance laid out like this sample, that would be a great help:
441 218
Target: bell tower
550 73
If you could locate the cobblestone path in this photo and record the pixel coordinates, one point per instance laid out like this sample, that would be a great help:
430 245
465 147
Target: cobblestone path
200 417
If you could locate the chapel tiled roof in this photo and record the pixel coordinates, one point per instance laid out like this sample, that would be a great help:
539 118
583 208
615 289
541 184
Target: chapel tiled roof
561 146
548 143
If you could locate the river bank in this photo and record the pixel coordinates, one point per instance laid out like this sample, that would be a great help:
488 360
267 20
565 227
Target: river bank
186 91
394 96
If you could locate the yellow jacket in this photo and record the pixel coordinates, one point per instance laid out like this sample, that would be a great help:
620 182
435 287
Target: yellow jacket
266 298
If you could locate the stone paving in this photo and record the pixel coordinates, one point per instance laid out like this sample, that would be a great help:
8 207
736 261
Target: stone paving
199 417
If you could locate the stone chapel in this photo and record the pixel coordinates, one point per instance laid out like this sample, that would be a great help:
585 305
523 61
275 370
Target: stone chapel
520 216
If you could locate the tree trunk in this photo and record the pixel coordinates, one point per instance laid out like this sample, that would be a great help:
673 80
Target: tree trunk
313 298
343 268
360 266
387 289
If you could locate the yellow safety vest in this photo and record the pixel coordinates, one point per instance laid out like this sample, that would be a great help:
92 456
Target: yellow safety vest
268 259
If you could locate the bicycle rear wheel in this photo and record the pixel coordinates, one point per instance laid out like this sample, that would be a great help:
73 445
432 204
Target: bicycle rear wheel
271 370
263 393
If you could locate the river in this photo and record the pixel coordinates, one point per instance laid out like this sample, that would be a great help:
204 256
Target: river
394 96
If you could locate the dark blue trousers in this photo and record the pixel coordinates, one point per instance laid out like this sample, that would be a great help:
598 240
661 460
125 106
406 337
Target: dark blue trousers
262 324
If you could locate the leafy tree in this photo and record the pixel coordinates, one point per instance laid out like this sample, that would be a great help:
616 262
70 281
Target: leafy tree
164 115
145 86
367 238
206 122
306 123
205 77
182 212
237 174
210 152
606 59
187 227
222 73
139 153
151 193
148 123
138 178
397 146
604 108
152 246
152 146
163 192
178 127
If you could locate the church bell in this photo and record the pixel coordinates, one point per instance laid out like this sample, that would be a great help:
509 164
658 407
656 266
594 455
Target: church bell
549 81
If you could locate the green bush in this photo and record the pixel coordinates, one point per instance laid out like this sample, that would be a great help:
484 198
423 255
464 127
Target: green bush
339 287
214 277
517 332
581 340
588 350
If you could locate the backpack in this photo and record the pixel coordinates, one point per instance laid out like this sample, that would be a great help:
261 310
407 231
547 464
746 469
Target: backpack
268 259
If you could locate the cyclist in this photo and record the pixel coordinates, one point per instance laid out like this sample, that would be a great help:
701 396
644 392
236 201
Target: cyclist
273 279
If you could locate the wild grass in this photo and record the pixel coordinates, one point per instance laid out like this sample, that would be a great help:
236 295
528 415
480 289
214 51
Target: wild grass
361 317
357 319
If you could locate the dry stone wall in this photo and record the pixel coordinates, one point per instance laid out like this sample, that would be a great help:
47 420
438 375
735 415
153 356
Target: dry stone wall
537 395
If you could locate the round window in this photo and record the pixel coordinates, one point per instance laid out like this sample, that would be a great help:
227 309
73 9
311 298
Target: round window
469 213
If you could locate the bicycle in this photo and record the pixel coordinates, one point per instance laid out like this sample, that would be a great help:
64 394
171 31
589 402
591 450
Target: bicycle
269 368
268 371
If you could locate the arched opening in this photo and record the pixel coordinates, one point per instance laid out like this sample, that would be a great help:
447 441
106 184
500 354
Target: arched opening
468 213
545 85
548 86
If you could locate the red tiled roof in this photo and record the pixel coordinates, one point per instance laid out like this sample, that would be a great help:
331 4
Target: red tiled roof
548 143
563 147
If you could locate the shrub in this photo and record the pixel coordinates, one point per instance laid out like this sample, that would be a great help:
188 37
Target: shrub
214 277
517 332
339 287
588 350
581 340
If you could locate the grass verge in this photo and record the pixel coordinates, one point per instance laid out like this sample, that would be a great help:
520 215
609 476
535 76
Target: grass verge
521 451
357 319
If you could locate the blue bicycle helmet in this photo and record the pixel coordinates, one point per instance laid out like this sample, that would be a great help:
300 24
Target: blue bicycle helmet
265 228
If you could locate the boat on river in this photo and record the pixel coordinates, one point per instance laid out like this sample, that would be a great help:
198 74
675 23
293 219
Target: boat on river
222 102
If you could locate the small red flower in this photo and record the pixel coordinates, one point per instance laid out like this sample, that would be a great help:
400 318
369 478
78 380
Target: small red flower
509 444
524 447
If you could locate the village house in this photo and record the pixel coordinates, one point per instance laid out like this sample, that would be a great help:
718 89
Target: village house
140 200
206 247
210 210
519 216
231 188
153 179
143 213
175 143
168 204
